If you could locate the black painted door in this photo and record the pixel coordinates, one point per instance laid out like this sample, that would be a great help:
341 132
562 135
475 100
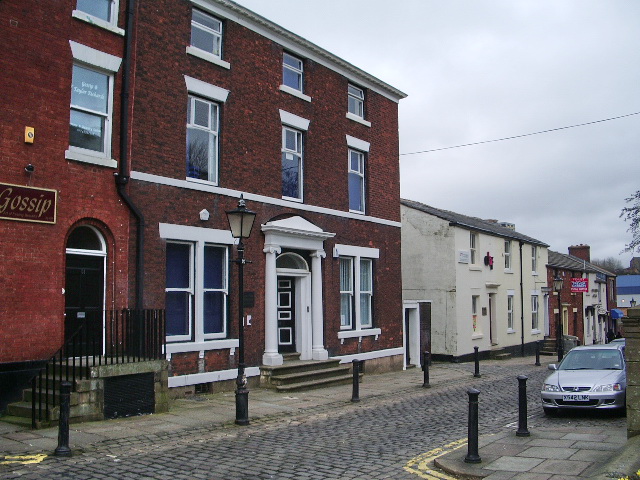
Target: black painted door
84 292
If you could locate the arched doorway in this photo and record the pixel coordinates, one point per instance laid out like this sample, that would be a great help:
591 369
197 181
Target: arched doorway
292 301
86 255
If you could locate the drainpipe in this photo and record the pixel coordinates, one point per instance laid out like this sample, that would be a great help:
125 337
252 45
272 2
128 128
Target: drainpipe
522 306
122 177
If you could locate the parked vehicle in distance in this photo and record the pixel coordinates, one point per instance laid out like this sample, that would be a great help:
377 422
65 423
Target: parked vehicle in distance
618 341
589 377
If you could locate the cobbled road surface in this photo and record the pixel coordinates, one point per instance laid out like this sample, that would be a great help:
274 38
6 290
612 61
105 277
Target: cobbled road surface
370 440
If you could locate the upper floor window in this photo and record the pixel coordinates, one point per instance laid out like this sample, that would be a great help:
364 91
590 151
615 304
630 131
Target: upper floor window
534 258
507 254
356 101
206 33
473 247
356 181
292 163
91 105
203 128
90 120
292 70
106 10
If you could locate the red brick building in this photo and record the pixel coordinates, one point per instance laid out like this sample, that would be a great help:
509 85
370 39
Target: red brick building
587 298
177 108
233 104
64 227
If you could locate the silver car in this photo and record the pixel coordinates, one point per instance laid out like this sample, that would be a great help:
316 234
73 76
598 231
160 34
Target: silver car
591 376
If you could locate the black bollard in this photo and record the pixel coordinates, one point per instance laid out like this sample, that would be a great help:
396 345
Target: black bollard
476 356
522 407
63 450
355 395
425 369
538 353
472 435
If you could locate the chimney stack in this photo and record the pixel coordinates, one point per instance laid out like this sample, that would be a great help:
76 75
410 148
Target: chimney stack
581 251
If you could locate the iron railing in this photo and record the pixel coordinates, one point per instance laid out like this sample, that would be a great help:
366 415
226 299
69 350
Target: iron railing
130 336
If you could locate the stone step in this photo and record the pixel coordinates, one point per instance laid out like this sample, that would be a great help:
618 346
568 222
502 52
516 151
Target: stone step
326 382
309 375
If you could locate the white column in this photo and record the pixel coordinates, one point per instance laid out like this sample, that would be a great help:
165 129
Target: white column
271 355
318 352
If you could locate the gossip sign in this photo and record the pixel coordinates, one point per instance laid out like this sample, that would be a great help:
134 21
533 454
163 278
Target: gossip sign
27 204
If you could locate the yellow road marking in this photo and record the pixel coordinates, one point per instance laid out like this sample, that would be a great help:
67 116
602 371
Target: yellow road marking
24 459
421 465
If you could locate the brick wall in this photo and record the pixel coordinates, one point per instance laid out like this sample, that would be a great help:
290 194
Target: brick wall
36 83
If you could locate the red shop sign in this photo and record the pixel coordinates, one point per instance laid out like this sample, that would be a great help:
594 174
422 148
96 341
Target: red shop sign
579 285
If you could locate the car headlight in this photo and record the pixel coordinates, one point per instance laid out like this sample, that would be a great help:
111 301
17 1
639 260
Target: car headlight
550 387
612 387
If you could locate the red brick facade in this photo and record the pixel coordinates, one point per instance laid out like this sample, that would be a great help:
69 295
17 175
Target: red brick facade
250 163
36 85
41 45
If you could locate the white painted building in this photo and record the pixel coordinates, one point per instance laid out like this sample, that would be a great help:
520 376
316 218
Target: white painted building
470 283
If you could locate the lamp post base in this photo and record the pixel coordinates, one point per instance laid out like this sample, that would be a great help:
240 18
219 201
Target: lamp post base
242 406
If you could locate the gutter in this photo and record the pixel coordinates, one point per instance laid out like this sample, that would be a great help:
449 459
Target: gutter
122 177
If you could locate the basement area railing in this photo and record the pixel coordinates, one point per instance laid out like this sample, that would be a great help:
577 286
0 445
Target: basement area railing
129 336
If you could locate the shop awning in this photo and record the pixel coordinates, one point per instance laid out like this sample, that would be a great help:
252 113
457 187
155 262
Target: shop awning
616 313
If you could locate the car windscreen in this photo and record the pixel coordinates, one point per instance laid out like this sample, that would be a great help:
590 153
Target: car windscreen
592 360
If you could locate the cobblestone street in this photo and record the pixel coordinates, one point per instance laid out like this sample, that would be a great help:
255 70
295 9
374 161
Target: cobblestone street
373 439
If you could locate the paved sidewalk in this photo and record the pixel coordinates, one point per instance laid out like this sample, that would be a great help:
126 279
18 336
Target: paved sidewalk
560 454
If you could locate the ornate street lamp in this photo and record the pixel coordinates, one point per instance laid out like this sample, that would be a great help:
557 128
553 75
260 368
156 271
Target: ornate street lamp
632 303
240 223
557 287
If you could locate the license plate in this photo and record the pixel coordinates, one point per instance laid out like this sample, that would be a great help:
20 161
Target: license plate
575 398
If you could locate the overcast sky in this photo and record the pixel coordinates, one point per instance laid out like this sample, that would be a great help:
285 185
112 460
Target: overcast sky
479 70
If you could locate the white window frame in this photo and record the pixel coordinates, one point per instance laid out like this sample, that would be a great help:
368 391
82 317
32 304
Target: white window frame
111 24
475 321
473 248
212 131
297 152
211 57
507 255
365 292
534 259
297 71
199 237
189 290
355 105
510 318
297 91
357 256
346 292
108 65
535 308
360 173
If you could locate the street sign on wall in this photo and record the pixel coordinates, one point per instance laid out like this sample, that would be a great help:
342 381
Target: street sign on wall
579 285
27 204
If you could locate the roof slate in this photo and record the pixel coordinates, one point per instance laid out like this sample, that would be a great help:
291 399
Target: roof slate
472 223
571 262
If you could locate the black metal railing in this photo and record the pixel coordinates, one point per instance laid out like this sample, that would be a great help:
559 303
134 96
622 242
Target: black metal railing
130 336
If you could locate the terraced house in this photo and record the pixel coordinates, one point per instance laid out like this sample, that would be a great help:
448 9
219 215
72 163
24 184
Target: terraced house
152 118
469 282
